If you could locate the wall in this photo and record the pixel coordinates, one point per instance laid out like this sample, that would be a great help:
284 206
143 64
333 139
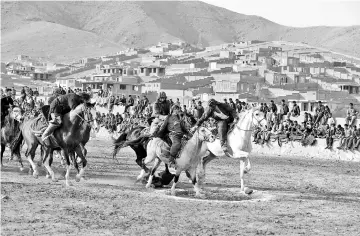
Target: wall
293 149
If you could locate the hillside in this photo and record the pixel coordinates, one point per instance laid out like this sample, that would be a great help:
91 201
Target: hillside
70 30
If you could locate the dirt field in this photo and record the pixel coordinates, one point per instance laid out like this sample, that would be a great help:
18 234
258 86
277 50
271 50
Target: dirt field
293 196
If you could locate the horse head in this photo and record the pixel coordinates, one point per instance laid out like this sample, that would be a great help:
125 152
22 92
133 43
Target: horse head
155 126
87 113
206 135
250 118
16 113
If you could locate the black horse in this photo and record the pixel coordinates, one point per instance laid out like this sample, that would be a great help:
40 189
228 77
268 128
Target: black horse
10 132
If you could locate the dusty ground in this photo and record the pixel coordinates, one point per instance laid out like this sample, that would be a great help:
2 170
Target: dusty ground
294 196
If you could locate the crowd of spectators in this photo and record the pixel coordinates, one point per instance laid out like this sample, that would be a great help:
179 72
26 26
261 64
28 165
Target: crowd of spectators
283 123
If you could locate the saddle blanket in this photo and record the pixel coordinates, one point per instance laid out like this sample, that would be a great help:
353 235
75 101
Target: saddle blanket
38 126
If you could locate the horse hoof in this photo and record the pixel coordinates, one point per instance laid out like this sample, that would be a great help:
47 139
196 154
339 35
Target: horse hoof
83 178
55 180
147 185
21 169
47 176
248 191
77 178
36 175
69 184
30 172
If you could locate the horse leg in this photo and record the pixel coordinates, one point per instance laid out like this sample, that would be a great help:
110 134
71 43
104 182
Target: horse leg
80 174
176 179
248 166
2 153
149 158
47 163
195 183
157 162
242 170
20 161
68 168
42 153
30 157
202 167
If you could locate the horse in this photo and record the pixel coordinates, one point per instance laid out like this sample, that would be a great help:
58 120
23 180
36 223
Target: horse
139 146
190 156
10 131
68 138
239 143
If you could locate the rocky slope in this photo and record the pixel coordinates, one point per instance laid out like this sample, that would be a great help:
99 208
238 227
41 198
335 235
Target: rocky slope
68 30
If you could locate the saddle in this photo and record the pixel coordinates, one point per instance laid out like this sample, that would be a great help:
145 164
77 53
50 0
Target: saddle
167 140
38 126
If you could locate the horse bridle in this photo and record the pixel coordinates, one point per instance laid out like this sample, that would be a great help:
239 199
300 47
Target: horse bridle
86 120
252 118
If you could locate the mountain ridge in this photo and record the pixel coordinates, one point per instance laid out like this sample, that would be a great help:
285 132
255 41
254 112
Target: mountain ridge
105 27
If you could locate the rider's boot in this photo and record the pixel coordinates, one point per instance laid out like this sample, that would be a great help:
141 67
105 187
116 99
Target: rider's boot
224 148
49 130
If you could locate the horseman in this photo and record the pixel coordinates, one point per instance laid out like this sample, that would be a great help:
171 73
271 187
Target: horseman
56 93
6 103
59 107
174 125
162 107
223 114
161 111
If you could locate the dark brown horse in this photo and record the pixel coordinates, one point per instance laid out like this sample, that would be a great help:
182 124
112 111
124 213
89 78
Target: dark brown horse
68 138
10 132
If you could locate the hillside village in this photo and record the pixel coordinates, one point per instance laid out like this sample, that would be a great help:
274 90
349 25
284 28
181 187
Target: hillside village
251 71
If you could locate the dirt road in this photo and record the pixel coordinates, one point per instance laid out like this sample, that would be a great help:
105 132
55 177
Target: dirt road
293 196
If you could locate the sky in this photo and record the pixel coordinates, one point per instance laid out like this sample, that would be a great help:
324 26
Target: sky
298 13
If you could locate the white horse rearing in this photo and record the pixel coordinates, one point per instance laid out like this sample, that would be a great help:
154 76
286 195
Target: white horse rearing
239 143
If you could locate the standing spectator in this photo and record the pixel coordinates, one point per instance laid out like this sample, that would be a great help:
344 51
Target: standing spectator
284 109
295 111
232 104
238 106
178 102
273 107
100 92
225 101
198 111
145 101
13 92
193 105
356 141
330 134
351 114
319 113
123 100
111 103
130 103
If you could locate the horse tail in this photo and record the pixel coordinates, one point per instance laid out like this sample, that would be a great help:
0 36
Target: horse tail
16 144
118 143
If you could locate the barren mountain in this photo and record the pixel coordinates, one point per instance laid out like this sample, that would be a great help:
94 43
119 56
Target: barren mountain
71 30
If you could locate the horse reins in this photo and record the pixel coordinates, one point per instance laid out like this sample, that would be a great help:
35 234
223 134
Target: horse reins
252 118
